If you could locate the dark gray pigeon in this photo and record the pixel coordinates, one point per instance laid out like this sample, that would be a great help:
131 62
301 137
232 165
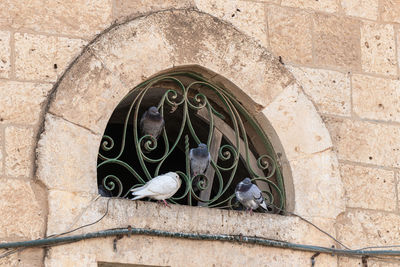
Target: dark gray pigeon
103 192
152 122
250 195
199 159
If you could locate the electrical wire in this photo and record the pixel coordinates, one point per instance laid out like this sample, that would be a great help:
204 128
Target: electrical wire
8 253
307 221
56 239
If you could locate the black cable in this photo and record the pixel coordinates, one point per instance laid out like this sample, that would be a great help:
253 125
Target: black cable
8 253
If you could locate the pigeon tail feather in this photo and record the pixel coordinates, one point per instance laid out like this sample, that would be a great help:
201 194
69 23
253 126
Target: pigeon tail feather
137 197
263 205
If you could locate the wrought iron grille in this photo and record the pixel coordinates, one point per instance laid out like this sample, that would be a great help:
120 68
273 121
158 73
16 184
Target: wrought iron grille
195 111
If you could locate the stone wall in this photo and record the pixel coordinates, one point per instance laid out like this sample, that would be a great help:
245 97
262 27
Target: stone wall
344 54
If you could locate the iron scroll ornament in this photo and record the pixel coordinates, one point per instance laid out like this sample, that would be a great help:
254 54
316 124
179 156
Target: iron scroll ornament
193 109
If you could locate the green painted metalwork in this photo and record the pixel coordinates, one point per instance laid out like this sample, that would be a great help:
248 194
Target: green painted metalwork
180 97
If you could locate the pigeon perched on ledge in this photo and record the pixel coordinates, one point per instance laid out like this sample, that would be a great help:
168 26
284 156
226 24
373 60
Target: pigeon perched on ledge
152 122
199 159
161 187
250 195
104 192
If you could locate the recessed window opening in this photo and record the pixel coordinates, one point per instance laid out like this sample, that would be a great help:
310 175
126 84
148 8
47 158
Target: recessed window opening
194 111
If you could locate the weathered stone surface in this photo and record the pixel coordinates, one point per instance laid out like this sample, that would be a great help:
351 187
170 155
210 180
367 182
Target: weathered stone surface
298 136
320 5
361 8
39 57
378 48
31 257
80 18
123 8
11 260
290 34
178 218
167 38
368 228
376 98
398 186
21 102
398 49
330 90
135 51
369 188
88 94
336 41
19 151
65 209
5 51
22 214
390 10
1 153
316 179
365 142
65 166
386 262
150 251
248 17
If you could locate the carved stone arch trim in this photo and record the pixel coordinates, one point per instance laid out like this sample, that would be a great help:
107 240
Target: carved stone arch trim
130 53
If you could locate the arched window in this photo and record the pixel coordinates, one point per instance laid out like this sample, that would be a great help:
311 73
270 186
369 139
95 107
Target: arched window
195 111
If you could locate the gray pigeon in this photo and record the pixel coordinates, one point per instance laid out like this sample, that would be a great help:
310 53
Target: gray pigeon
250 195
199 159
152 122
104 192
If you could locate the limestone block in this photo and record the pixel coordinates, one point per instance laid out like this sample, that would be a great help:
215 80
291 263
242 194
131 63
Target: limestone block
378 48
19 151
167 38
299 137
398 185
40 57
367 9
369 188
345 262
65 208
390 10
179 218
21 102
376 98
11 260
5 51
316 179
88 94
80 18
329 6
336 41
365 142
1 153
31 257
368 228
67 156
21 217
151 251
248 17
135 51
398 49
123 8
384 262
329 90
290 34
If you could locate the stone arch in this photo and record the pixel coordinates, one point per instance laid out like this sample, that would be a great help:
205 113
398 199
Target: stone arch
130 53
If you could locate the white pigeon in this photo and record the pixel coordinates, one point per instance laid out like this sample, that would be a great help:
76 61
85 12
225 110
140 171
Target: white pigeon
161 187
